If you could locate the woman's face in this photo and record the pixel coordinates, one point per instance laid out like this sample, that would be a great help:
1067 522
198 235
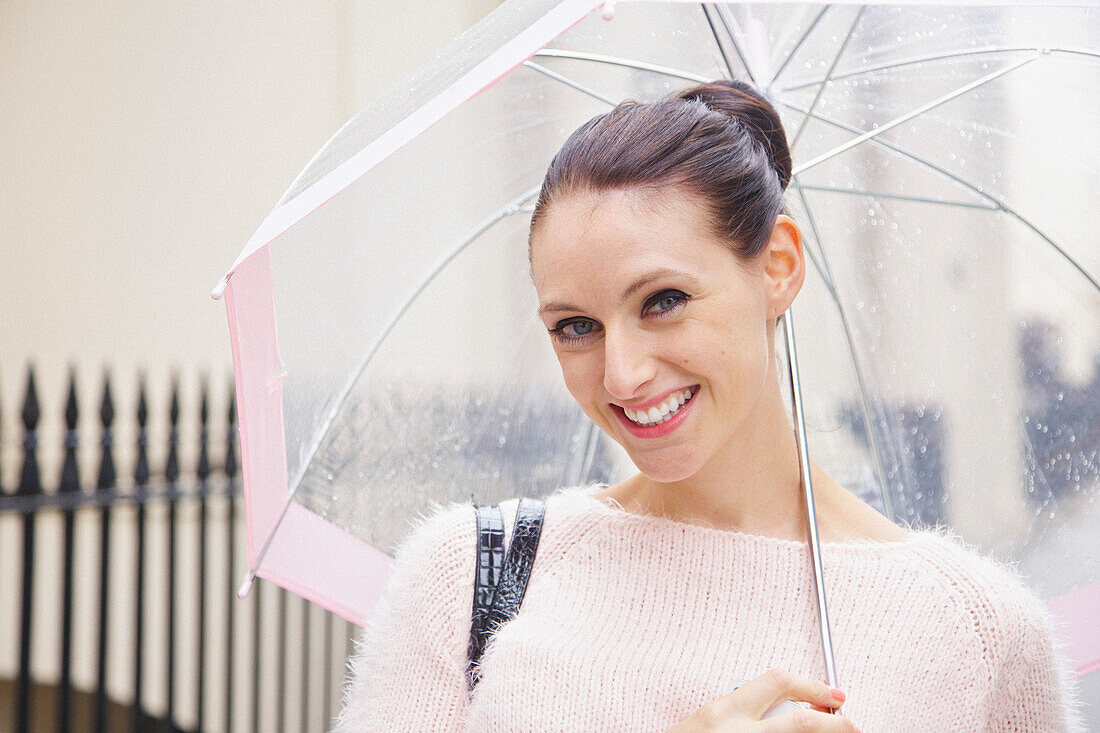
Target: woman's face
663 335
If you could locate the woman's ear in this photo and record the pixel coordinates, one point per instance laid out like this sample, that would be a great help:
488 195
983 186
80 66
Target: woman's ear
784 265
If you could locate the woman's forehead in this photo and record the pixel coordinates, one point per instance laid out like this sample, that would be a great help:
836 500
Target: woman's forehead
622 222
609 242
647 203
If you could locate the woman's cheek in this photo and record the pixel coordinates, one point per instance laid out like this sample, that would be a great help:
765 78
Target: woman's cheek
575 372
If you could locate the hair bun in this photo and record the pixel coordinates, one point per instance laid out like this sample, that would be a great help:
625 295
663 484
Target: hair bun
748 106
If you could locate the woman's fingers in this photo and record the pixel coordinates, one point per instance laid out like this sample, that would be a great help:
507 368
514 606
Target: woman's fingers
774 686
807 720
748 707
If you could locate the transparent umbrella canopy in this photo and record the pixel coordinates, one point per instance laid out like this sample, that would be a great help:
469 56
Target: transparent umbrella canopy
387 350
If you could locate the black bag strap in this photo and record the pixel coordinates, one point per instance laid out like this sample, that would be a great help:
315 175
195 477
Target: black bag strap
490 560
499 585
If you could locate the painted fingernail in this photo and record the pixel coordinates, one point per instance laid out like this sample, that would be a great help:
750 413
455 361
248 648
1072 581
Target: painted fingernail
838 694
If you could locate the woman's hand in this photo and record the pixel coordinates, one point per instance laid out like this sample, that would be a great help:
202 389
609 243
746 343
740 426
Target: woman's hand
742 709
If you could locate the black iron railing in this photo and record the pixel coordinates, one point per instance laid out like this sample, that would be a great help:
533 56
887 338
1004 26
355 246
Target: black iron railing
165 556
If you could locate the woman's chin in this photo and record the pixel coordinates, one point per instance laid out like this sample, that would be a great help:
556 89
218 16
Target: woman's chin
664 470
665 464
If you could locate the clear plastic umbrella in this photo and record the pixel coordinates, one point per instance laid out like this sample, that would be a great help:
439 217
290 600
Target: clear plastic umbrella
388 354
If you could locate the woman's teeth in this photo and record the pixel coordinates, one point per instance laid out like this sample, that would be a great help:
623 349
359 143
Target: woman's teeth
662 412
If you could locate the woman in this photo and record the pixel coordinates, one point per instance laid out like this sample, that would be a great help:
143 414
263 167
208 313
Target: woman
662 259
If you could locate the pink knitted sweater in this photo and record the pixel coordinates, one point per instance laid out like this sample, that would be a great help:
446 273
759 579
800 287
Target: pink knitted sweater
631 623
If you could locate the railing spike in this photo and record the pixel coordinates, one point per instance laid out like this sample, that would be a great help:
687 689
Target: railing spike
107 473
174 410
31 413
203 467
231 435
141 463
107 406
142 407
70 471
232 403
172 465
72 408
30 481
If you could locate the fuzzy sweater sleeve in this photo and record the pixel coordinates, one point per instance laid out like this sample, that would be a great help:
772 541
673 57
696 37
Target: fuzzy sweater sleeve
1032 692
408 673
1022 683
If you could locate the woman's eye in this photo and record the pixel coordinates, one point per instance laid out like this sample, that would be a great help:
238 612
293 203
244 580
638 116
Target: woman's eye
664 301
573 330
578 328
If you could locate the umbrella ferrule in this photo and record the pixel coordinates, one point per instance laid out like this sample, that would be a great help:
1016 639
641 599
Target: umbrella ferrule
246 586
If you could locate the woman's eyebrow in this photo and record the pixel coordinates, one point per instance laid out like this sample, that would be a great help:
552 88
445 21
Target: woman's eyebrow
641 282
650 277
557 308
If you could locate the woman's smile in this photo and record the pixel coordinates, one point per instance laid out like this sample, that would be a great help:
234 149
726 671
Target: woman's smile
660 416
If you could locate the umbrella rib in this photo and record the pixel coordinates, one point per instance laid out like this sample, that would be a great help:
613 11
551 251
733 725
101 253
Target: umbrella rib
700 79
1029 448
726 19
896 196
825 81
628 63
591 438
718 41
822 271
1000 206
825 278
871 134
865 407
939 57
793 51
513 207
569 82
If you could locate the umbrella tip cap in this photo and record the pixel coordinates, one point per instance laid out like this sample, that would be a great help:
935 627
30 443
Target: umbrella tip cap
608 12
219 289
246 586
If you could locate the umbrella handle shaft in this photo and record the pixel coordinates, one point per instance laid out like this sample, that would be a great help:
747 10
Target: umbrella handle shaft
808 497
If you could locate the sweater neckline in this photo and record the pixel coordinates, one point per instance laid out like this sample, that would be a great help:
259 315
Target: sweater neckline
585 496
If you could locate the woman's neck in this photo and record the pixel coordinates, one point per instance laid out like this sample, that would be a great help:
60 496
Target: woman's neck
754 486
751 485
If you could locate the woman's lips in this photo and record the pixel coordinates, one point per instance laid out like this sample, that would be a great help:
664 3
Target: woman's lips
661 418
661 409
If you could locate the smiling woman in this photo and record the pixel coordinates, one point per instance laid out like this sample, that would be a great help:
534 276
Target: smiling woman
665 309
662 260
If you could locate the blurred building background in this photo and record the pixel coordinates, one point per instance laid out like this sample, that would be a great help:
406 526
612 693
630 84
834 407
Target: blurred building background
141 145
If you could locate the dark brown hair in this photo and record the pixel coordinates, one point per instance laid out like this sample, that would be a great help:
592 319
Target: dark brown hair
722 142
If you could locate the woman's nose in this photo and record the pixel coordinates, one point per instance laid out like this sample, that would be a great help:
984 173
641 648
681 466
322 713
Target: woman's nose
628 365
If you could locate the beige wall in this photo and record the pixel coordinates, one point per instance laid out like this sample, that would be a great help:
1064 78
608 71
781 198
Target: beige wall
141 143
